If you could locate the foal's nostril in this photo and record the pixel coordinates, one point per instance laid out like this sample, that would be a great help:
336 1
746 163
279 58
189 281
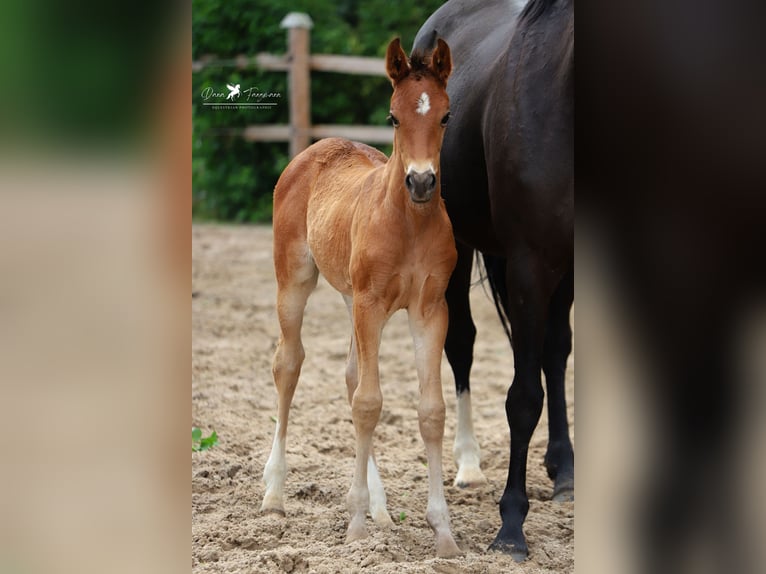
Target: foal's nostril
420 185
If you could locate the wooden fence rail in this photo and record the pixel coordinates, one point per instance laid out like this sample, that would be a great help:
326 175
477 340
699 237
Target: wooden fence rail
298 63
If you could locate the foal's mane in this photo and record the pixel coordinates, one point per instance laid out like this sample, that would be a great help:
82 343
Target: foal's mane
420 61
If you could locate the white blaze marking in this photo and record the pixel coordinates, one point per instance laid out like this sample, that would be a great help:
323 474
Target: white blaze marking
424 104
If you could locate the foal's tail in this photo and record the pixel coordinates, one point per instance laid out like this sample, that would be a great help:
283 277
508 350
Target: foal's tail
494 267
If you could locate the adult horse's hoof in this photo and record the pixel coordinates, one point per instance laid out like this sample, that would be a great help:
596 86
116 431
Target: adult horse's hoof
566 495
518 551
563 489
273 510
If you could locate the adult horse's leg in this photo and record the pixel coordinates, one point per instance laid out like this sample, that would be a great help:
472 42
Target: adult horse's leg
296 279
559 458
378 509
461 334
366 403
528 305
428 325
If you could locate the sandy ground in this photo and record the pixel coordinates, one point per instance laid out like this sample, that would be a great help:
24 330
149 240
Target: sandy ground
233 339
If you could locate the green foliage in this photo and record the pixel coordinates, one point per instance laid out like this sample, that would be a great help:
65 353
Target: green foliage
233 180
83 77
203 443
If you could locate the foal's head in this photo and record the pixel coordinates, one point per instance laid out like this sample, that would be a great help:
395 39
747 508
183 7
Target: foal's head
419 113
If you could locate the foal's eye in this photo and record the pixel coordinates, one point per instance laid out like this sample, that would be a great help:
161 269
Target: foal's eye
393 120
445 119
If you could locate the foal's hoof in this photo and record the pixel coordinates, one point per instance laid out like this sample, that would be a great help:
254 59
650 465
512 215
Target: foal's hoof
356 531
279 511
470 477
518 550
446 548
383 520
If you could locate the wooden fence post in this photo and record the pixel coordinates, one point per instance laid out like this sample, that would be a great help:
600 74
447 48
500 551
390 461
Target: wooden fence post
298 27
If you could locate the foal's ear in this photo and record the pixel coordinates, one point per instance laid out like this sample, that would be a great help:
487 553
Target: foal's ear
441 60
397 65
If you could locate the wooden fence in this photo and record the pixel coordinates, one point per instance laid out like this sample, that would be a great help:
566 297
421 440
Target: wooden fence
298 63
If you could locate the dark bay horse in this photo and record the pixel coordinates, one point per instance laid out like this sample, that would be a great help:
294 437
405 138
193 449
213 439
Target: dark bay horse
378 231
508 183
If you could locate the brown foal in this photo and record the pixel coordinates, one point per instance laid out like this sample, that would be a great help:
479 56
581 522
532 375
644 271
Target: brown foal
378 231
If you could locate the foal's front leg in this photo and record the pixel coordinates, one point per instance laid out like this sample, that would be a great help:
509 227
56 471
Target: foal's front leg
428 324
368 317
378 509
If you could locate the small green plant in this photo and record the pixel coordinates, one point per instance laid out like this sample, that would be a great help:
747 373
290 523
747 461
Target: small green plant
402 516
203 443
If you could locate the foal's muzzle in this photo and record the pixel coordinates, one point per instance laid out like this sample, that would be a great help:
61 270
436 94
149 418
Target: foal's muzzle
420 185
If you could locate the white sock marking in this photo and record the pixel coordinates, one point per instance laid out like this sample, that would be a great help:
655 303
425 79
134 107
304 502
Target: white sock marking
274 474
375 486
466 449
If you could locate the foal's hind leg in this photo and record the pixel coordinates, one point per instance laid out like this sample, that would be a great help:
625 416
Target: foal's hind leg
378 509
559 458
461 334
296 278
